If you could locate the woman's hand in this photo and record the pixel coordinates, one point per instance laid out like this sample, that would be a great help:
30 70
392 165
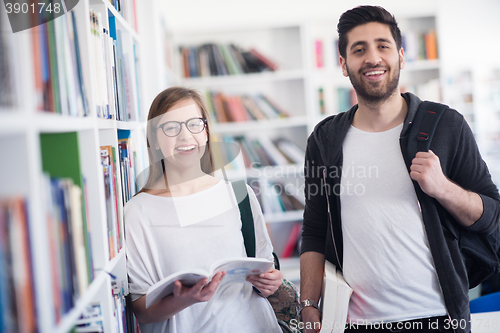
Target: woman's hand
266 283
200 292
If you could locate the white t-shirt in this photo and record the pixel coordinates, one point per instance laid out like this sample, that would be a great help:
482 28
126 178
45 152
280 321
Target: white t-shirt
387 260
165 235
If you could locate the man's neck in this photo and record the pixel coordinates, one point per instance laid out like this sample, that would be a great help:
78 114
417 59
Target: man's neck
380 116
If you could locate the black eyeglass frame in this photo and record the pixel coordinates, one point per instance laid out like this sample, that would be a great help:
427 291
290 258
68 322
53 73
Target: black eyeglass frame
162 126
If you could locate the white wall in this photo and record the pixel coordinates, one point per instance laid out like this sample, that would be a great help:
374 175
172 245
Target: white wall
185 15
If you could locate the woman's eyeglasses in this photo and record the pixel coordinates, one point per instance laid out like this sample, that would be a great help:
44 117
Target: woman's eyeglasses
193 125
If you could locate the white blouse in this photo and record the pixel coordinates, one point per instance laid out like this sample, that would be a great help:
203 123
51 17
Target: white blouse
168 234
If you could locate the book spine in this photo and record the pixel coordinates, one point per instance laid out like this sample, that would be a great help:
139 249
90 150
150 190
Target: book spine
319 53
271 65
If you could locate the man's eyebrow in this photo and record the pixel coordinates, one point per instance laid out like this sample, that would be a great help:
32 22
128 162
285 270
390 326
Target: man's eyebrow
361 42
378 40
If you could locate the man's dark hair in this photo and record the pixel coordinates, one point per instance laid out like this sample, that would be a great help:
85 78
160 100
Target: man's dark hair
362 15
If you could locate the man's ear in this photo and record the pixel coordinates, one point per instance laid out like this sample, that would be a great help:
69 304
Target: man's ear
401 58
343 66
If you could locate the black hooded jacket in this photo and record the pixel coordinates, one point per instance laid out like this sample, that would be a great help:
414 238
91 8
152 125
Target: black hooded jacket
461 162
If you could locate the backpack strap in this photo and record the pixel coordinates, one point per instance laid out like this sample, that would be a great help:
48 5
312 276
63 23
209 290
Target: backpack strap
247 227
424 126
421 134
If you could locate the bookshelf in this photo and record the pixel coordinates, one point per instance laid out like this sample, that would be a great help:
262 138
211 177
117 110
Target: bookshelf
285 86
332 92
308 84
45 135
78 83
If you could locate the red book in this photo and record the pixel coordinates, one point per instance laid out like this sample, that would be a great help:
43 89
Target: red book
291 243
265 60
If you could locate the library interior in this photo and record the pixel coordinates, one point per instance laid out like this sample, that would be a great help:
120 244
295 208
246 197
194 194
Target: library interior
75 92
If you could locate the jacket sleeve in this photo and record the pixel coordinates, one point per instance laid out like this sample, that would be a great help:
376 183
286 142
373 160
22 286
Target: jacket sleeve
471 172
314 228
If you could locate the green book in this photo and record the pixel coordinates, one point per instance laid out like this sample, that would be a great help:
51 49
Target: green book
60 156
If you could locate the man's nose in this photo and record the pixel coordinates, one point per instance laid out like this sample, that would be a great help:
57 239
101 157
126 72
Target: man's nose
373 56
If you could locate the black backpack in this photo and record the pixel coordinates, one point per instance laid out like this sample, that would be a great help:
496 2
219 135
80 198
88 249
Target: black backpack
480 252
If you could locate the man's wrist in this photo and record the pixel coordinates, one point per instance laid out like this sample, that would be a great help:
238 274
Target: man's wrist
304 304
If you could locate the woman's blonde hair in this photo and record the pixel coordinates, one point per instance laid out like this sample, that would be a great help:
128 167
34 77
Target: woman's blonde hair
161 104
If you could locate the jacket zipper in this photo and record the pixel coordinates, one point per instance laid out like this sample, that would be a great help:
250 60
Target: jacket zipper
331 221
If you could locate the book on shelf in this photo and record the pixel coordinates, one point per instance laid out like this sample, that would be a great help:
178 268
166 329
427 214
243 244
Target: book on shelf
225 151
430 90
7 56
59 86
240 108
119 306
127 165
279 197
271 65
237 270
292 242
69 256
259 151
420 45
17 293
346 98
335 297
318 48
108 163
90 321
63 184
290 150
223 59
321 99
115 71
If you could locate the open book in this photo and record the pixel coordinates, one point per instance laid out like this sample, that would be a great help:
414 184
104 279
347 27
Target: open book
237 270
334 300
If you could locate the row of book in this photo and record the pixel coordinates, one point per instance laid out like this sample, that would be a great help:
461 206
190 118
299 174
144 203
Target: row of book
420 46
118 169
430 90
417 46
276 198
345 98
223 59
261 151
116 86
127 165
90 321
17 293
119 306
57 67
111 191
69 233
234 108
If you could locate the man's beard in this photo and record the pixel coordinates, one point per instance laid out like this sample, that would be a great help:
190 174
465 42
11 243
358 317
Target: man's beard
379 93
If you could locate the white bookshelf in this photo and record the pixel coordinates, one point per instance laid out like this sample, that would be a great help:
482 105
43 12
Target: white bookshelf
294 86
329 76
23 127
